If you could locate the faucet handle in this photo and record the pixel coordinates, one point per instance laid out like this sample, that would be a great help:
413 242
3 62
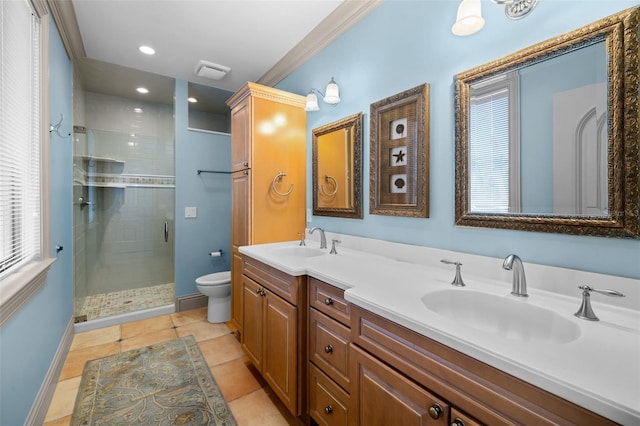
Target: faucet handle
302 243
457 281
606 291
333 246
585 311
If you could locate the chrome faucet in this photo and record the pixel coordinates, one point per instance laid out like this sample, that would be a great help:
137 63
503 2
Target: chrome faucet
323 239
513 262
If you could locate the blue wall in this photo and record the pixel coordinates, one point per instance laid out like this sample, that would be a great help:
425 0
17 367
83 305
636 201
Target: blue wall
30 339
210 193
402 44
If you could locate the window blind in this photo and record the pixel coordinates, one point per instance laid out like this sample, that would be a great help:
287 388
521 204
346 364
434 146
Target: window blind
489 152
20 208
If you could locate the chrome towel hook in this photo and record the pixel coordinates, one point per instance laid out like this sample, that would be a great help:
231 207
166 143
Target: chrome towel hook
279 176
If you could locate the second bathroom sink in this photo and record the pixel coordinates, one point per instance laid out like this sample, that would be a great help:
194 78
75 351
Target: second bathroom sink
506 316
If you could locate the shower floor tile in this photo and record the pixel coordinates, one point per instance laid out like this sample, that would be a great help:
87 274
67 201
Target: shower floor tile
120 302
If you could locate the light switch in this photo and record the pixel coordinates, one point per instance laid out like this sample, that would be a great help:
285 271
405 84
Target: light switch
190 212
309 216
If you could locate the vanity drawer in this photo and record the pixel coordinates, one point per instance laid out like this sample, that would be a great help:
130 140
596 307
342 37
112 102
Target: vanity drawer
329 347
458 418
328 403
330 300
280 283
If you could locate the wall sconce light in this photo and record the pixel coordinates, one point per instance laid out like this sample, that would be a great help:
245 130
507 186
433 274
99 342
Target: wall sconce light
331 96
469 19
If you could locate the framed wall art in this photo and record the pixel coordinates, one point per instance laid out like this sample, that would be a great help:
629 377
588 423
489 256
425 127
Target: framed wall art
399 172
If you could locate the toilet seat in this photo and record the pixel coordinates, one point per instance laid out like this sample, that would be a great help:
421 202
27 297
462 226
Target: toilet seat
217 278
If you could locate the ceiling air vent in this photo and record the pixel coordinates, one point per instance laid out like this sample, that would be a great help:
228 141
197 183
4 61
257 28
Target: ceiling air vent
210 70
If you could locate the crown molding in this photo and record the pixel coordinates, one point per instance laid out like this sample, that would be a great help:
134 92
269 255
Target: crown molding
345 16
257 90
64 16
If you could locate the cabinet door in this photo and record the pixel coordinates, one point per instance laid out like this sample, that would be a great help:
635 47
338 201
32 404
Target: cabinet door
381 396
241 135
279 366
240 209
236 289
252 322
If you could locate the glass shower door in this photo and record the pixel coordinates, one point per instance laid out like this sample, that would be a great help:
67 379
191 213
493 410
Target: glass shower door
123 223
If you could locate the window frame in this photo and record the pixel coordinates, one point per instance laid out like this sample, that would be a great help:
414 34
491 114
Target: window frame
17 289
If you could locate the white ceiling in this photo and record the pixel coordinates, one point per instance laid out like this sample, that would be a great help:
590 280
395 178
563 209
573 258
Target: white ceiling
249 36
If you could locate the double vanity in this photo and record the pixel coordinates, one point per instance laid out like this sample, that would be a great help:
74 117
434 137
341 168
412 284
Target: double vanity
377 330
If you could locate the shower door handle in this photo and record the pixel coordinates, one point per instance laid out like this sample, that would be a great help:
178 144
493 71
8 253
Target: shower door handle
166 231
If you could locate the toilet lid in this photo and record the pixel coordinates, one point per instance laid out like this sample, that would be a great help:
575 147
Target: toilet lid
216 278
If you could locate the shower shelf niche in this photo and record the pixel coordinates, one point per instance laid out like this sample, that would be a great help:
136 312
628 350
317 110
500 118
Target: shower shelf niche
92 160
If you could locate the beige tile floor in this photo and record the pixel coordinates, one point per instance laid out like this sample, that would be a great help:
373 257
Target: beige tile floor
251 401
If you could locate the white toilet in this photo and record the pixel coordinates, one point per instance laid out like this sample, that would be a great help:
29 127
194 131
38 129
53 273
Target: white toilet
218 287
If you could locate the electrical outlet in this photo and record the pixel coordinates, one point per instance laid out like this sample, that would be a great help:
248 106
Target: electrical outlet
309 215
190 212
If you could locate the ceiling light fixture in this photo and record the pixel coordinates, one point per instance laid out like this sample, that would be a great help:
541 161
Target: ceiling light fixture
331 96
210 70
147 50
142 90
192 99
469 19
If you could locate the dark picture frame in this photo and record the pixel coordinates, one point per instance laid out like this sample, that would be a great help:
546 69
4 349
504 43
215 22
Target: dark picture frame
399 157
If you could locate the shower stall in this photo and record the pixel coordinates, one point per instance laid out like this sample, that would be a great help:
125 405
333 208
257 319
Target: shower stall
123 215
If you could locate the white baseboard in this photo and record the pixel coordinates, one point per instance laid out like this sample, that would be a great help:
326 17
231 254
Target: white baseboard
45 395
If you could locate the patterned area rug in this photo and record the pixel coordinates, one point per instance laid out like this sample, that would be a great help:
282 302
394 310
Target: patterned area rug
163 384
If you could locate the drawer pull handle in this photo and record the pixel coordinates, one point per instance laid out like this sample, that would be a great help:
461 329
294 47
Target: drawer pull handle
435 411
328 301
328 409
260 292
457 422
257 291
328 349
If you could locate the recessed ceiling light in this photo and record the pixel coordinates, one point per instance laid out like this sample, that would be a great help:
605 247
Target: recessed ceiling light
192 100
137 110
142 90
147 50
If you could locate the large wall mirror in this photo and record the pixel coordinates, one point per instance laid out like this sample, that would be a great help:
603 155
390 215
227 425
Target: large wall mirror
547 138
337 168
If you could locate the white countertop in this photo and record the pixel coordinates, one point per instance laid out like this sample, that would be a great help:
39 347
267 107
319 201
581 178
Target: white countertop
600 370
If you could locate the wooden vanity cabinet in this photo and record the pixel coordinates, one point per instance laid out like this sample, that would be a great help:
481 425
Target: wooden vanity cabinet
268 137
490 395
274 334
329 335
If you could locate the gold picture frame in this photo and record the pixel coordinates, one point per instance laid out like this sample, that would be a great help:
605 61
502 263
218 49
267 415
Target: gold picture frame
399 157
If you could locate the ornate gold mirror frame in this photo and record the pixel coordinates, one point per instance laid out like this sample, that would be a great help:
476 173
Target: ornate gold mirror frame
338 191
620 33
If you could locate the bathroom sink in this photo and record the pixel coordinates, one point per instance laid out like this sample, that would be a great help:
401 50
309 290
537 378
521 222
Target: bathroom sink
298 251
506 316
